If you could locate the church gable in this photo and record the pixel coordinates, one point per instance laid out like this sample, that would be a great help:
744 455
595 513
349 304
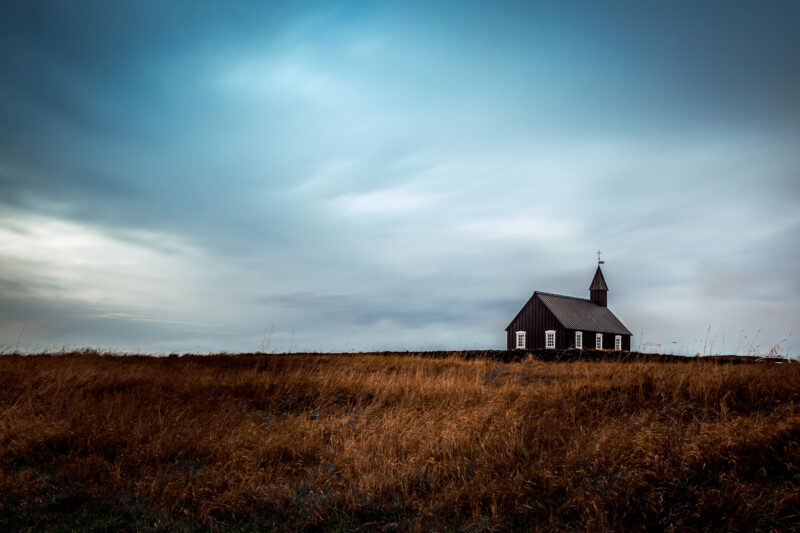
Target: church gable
533 321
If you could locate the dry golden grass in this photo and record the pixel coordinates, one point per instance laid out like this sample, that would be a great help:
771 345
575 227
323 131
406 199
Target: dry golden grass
351 441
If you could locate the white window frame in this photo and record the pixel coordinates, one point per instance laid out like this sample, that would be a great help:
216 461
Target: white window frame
598 341
550 335
520 336
579 340
618 342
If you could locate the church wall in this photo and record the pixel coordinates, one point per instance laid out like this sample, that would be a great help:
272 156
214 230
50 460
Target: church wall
535 318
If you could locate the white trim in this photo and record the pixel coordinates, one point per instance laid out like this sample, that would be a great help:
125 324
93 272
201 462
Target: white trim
618 342
520 344
598 341
550 339
579 340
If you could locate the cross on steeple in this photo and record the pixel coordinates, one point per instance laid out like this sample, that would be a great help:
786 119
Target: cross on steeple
598 258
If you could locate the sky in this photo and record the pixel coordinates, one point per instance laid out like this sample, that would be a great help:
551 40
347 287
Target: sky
339 176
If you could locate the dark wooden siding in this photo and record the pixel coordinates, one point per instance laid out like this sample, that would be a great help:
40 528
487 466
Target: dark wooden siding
534 319
599 297
588 340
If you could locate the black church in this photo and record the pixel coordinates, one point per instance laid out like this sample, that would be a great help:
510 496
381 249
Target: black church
558 322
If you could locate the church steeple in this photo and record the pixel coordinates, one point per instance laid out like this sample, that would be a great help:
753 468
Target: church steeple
598 290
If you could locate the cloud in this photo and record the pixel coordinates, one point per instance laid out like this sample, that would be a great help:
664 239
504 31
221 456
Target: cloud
64 272
390 201
529 228
383 175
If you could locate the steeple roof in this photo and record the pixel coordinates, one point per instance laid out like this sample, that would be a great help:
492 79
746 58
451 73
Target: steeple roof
598 283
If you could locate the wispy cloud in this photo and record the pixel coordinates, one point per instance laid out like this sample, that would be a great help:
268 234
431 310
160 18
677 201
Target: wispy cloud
402 200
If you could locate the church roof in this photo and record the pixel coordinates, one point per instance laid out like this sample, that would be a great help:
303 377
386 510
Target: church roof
582 314
598 282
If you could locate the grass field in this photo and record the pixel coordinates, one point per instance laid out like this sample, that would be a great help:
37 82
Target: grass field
370 442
